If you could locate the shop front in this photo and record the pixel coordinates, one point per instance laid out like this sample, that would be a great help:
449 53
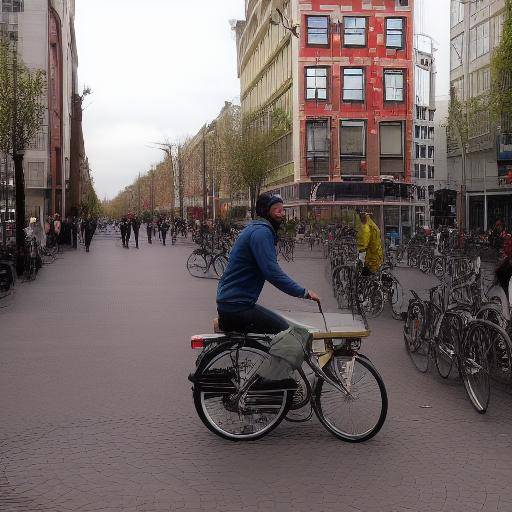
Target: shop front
390 204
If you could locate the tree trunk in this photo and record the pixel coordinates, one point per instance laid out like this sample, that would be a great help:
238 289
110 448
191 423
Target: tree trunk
252 198
19 179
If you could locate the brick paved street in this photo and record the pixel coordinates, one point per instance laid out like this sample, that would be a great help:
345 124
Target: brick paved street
97 415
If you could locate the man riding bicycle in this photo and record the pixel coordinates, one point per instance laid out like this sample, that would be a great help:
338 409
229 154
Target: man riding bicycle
252 261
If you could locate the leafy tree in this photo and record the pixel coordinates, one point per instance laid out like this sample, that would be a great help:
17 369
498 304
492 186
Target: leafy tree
501 74
21 116
249 158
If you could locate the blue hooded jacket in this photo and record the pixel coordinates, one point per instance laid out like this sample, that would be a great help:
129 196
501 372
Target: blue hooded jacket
253 260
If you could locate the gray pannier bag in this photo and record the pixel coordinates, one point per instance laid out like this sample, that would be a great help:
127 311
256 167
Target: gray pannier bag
288 349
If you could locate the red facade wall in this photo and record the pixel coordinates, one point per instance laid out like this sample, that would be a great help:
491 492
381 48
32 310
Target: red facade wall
374 57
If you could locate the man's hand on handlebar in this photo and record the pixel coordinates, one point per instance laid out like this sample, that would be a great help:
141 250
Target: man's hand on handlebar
313 296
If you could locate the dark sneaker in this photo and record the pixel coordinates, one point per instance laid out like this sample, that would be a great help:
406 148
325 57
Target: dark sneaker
274 385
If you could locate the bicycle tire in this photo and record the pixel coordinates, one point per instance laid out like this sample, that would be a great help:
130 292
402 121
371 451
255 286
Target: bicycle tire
362 364
474 365
414 336
447 345
396 299
439 267
200 392
197 264
371 299
424 263
220 263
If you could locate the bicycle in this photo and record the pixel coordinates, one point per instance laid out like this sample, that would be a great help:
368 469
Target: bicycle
31 259
7 272
347 394
377 289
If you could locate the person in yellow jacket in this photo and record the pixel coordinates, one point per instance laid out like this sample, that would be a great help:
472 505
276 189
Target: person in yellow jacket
369 242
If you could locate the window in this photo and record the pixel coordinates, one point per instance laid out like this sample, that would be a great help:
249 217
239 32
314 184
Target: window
456 55
498 22
354 31
393 85
480 82
456 12
317 30
457 87
421 113
431 133
395 32
423 171
391 147
431 152
35 174
12 6
316 83
424 132
479 40
422 86
431 114
417 132
416 170
352 146
476 5
353 84
430 172
318 148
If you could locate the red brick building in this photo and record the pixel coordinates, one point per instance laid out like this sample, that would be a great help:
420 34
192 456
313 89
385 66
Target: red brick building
363 54
348 85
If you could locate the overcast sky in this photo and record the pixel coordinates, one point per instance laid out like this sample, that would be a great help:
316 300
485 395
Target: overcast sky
159 69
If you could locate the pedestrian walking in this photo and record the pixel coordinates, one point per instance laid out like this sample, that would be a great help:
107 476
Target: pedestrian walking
149 230
90 228
136 226
123 225
74 232
128 231
164 227
82 230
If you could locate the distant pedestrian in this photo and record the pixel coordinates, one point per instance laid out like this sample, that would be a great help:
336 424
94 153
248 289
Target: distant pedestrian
90 228
82 230
57 228
164 227
136 226
74 232
149 230
123 226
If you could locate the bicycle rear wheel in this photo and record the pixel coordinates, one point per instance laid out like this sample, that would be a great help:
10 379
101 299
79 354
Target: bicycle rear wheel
360 415
475 365
414 336
217 379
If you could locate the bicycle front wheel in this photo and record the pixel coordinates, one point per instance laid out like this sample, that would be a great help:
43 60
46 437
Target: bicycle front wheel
359 415
447 345
475 365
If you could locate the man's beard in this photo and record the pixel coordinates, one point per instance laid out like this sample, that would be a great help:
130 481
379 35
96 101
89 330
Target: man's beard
276 224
